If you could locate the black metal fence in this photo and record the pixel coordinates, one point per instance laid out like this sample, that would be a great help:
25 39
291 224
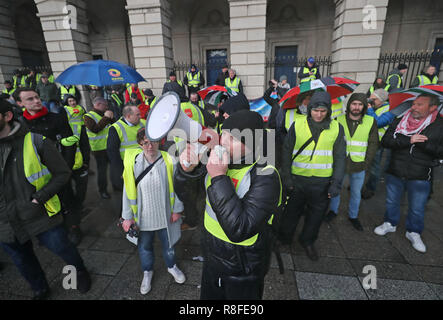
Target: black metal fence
416 62
38 69
290 65
209 70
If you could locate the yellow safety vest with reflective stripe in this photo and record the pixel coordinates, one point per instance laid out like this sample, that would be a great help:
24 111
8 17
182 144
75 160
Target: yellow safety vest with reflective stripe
389 78
311 77
233 85
178 81
117 99
290 116
337 110
312 162
37 173
11 92
16 83
192 112
75 119
141 93
241 180
424 80
151 105
129 178
97 141
357 145
64 92
383 109
51 78
127 135
193 81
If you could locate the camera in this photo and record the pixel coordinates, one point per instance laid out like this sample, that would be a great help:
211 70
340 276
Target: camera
371 102
133 232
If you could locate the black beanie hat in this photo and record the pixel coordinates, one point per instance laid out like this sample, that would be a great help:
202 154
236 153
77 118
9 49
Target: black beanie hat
235 104
402 66
244 119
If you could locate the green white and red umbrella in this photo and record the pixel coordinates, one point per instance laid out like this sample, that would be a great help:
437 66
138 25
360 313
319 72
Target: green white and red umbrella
212 95
400 102
335 86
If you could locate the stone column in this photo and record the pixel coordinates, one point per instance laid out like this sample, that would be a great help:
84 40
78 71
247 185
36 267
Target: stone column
150 22
65 28
9 54
248 39
357 39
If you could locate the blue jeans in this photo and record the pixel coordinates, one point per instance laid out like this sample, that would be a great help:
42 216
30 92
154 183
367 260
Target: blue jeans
146 249
375 169
418 192
356 180
51 106
23 255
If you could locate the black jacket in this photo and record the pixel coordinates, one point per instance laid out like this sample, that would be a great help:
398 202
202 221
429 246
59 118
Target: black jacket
240 219
19 217
175 87
221 78
55 127
414 162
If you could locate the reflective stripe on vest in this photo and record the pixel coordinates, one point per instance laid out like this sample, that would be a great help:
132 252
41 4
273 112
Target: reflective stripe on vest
38 174
75 119
116 99
129 178
128 135
383 109
178 81
64 91
311 77
233 85
141 93
357 145
193 81
316 159
241 179
97 141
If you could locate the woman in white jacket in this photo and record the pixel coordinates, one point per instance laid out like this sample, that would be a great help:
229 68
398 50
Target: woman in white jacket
151 204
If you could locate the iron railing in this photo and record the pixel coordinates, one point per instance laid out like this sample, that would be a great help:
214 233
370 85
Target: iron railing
416 62
181 68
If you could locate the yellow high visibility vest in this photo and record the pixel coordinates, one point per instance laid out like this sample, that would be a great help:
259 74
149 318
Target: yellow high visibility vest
383 109
210 219
75 119
129 178
193 81
357 145
127 135
141 93
64 92
389 78
310 162
311 77
192 112
290 116
178 81
233 85
424 80
37 173
337 110
97 141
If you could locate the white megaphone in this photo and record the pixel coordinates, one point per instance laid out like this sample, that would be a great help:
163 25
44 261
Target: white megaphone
166 115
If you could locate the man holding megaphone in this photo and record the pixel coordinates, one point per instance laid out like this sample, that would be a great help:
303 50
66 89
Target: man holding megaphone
241 198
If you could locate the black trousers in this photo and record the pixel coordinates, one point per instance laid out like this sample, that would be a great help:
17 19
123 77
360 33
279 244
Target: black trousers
102 161
315 198
192 216
74 195
214 286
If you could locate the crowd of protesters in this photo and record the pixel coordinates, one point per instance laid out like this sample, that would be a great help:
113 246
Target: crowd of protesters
47 136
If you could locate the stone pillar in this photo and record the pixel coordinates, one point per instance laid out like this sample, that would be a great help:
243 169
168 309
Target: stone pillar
9 54
357 39
150 22
248 39
65 28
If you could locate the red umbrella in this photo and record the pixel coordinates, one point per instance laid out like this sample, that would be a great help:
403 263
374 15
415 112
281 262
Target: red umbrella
400 102
204 92
335 86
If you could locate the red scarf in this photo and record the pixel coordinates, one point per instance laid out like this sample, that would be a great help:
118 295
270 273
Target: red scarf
41 113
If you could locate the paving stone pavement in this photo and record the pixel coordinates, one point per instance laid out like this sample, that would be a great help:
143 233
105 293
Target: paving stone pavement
401 272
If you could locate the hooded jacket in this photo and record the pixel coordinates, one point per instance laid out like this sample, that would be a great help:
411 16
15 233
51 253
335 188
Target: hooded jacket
376 86
339 149
20 218
373 141
393 82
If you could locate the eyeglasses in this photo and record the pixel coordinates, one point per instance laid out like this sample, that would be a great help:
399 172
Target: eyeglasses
147 143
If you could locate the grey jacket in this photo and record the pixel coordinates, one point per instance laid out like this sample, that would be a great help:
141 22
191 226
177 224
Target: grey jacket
174 231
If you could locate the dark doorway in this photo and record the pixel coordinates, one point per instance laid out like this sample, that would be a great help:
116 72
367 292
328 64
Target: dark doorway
215 59
285 63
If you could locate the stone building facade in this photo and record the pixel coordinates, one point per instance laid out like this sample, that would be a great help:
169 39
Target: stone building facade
153 34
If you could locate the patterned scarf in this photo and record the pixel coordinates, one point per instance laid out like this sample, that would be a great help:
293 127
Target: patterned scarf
408 126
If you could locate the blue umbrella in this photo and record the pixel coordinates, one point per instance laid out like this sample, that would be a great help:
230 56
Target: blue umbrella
99 73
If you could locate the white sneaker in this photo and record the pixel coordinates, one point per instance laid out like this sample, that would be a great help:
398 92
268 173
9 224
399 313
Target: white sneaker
416 241
178 275
146 283
384 229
